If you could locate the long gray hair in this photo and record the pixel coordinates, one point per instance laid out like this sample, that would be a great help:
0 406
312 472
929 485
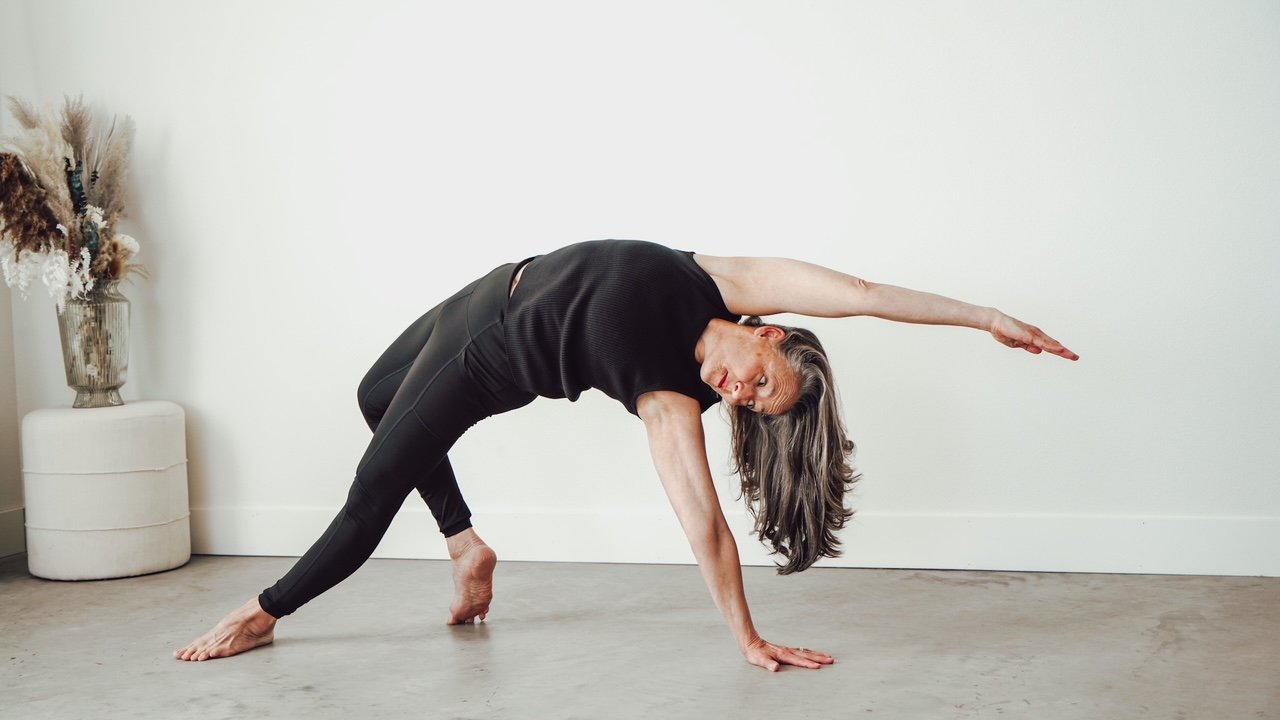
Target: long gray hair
795 466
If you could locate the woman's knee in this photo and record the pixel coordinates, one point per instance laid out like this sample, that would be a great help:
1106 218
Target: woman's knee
372 507
375 394
371 412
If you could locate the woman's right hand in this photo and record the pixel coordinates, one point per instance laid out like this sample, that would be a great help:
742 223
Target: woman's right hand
1014 333
771 657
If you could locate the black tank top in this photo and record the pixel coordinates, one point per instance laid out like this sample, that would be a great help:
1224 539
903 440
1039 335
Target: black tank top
621 316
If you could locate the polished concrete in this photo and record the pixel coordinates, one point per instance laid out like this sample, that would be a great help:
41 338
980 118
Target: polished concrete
645 641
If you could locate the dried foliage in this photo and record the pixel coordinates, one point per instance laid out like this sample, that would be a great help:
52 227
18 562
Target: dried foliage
24 207
43 151
63 191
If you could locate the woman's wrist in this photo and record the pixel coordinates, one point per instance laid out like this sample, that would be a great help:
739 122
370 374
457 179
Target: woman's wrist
987 318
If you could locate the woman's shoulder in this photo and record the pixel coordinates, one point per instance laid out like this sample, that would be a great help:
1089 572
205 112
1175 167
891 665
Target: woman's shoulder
724 272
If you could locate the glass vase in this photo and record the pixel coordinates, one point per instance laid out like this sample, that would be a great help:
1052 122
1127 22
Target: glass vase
95 345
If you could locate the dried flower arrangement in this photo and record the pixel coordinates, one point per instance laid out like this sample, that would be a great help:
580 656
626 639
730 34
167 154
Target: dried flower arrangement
62 195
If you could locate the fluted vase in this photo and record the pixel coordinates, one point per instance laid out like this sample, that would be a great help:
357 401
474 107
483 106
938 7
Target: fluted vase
95 345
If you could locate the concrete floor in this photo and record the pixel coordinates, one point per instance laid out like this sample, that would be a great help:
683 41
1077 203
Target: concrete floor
645 641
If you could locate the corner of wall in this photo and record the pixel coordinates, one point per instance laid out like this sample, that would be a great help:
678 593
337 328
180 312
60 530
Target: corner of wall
16 65
11 506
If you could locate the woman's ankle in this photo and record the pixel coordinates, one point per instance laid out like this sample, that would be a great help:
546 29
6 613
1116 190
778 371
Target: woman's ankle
462 543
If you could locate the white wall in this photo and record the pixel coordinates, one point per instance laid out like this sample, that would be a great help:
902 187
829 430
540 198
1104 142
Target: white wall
15 68
309 181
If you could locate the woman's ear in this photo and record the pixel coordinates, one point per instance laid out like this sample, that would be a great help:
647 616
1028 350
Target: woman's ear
770 332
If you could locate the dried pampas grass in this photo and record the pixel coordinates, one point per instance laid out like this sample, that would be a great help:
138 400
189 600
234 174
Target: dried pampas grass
107 188
76 122
25 113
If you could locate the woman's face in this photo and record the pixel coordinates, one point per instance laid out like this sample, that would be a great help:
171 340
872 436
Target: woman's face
747 369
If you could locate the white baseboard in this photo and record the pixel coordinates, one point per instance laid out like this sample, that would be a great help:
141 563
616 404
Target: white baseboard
1043 543
13 535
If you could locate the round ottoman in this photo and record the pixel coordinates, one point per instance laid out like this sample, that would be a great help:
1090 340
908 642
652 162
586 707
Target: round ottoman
106 491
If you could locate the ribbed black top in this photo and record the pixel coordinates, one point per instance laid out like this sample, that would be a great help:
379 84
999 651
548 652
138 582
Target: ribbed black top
622 316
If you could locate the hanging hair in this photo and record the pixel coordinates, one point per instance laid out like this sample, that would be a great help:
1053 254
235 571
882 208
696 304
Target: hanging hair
795 467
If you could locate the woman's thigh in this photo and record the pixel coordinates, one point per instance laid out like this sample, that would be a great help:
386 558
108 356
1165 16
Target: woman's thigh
455 381
385 377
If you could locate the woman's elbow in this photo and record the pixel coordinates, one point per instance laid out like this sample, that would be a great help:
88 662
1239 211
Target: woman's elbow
863 296
707 537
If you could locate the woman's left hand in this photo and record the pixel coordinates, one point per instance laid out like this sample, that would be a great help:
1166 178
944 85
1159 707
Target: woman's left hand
1017 334
771 657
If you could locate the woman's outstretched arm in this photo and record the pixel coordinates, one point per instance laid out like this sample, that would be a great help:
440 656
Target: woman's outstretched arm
673 423
767 286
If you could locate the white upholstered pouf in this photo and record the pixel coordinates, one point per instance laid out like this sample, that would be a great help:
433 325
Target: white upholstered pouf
106 491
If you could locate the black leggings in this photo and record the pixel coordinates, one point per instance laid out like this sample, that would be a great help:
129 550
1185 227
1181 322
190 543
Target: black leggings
445 373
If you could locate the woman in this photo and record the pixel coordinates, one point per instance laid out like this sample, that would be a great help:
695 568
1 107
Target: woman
658 330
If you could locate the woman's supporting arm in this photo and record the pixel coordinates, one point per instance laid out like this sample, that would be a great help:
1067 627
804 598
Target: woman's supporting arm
673 423
767 286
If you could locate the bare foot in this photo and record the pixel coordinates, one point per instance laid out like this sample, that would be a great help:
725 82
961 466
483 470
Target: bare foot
473 564
244 629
